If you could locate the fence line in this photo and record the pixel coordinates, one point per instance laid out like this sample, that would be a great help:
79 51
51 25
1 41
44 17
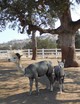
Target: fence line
43 53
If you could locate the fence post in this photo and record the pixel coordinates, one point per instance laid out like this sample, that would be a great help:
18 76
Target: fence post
56 52
28 52
43 53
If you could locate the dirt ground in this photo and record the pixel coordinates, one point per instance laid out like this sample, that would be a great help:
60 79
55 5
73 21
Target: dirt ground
14 87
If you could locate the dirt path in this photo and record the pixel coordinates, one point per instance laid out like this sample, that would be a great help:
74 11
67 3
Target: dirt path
14 87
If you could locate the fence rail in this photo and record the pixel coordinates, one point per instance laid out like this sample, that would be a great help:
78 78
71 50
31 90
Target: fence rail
42 53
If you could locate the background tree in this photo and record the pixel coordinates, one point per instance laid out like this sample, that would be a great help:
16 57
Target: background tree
34 45
21 13
42 43
46 43
32 15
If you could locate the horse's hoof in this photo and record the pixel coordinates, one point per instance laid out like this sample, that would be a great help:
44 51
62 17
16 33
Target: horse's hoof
60 92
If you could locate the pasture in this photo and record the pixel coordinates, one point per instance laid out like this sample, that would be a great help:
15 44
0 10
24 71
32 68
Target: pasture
14 87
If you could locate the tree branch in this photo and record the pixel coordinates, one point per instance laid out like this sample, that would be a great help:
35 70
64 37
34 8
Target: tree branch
76 24
41 30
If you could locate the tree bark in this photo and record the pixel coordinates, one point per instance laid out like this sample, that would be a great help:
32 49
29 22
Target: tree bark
67 42
34 53
34 46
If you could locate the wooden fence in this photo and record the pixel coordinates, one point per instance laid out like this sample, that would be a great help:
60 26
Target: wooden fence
42 53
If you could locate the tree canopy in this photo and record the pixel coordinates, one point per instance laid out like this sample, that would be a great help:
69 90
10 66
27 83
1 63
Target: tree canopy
31 15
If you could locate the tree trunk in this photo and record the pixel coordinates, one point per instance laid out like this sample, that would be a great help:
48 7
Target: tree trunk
34 46
67 42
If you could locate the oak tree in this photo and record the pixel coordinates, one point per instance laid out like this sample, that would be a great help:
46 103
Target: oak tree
33 15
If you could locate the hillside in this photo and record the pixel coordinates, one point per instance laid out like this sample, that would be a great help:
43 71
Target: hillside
21 43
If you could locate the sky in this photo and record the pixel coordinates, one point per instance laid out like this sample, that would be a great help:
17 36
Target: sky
10 34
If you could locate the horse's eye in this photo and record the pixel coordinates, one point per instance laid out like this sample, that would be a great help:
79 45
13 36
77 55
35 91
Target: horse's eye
14 57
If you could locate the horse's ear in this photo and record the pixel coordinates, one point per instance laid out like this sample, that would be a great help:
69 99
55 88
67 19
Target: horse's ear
18 55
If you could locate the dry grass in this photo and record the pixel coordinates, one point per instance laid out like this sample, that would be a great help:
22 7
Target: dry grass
14 87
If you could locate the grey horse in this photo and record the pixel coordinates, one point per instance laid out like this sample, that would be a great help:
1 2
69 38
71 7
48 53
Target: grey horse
59 75
34 71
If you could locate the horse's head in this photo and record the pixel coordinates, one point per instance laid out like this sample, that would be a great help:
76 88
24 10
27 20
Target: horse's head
15 57
61 64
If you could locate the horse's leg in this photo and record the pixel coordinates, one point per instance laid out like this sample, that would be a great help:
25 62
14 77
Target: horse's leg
31 84
61 81
36 84
50 77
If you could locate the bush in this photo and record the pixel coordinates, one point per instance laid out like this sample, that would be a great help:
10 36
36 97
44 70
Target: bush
42 43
